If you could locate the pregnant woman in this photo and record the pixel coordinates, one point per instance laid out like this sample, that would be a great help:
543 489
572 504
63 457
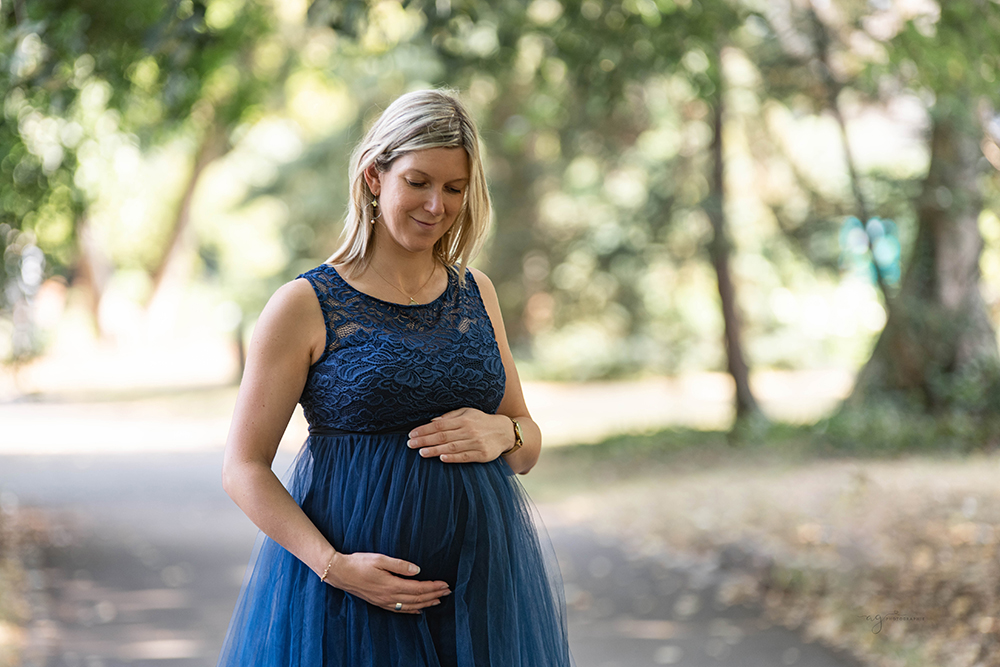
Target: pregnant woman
402 536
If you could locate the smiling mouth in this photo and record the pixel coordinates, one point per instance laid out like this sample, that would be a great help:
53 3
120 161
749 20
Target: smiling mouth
422 223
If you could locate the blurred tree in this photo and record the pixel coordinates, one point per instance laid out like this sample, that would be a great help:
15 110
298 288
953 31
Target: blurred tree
561 88
719 251
86 83
939 345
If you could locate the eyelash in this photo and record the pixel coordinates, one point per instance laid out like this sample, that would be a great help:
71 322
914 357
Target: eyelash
418 185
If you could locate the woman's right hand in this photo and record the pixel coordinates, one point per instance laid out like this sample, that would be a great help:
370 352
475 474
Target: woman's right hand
381 580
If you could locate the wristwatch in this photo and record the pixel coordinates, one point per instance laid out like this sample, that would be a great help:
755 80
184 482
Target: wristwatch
518 442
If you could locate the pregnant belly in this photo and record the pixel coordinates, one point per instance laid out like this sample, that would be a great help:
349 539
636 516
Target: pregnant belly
374 494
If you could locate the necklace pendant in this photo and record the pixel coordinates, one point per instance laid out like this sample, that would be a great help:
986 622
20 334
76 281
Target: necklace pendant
412 302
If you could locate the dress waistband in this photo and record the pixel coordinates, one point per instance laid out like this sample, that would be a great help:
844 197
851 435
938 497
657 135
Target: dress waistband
402 429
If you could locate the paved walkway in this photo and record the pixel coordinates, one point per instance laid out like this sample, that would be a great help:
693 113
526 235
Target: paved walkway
197 418
148 554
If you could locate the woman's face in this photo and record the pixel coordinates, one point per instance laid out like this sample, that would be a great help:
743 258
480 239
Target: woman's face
420 196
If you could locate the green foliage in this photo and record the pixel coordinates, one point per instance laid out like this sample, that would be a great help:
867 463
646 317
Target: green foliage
973 390
86 87
955 57
886 430
597 158
595 117
37 193
894 426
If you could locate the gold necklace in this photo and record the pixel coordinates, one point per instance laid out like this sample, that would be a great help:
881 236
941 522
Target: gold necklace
413 302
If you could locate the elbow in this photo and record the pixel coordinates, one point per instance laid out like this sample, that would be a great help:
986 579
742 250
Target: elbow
229 479
528 464
240 477
527 467
532 459
227 482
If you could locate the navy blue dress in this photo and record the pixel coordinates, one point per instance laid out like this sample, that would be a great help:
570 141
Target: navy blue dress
387 368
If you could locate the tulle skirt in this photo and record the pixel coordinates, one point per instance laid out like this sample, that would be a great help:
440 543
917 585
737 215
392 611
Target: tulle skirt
471 525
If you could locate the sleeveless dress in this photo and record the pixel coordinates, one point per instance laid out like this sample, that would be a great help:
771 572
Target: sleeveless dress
386 369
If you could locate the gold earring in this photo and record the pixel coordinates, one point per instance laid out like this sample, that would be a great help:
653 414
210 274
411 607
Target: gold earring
376 214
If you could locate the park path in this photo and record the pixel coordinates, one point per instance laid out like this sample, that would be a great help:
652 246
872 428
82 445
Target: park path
147 555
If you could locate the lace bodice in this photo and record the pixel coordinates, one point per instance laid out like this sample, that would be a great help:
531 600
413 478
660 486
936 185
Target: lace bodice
389 365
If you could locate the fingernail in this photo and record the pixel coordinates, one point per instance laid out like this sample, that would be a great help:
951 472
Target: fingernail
410 434
414 569
409 443
436 602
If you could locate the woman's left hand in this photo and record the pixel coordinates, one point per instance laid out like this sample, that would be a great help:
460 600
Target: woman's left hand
465 435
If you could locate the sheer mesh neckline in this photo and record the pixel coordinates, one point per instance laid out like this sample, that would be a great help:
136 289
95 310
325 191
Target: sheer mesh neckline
451 280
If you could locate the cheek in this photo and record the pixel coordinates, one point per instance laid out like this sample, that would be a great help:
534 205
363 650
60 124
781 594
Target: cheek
405 204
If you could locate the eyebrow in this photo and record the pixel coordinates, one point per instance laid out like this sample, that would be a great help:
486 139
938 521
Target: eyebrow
428 176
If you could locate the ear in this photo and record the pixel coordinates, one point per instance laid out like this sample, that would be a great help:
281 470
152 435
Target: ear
373 177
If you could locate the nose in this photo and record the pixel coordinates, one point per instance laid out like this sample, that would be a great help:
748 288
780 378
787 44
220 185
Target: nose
435 203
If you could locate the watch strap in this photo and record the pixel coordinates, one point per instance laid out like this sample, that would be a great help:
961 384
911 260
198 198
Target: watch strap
518 440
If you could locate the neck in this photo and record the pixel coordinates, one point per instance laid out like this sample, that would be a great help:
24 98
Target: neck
407 270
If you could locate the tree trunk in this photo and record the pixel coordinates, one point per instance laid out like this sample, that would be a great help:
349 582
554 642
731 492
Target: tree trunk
719 249
212 146
821 42
91 271
938 328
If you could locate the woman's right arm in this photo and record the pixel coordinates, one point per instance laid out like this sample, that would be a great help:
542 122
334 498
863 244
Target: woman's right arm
289 337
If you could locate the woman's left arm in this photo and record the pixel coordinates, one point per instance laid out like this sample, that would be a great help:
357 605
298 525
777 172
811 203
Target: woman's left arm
469 435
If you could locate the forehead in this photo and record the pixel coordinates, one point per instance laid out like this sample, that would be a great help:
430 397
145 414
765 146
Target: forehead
446 164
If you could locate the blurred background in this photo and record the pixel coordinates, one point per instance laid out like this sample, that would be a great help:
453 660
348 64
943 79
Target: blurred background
729 236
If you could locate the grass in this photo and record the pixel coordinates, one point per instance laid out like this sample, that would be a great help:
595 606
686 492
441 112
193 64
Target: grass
13 603
842 534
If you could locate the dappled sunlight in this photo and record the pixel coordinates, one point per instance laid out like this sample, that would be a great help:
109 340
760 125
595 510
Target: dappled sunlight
667 213
863 555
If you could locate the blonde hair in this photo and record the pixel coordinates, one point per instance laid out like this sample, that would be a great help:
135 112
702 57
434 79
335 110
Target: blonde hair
417 121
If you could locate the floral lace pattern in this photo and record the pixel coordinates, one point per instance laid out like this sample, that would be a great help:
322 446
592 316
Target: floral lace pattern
389 365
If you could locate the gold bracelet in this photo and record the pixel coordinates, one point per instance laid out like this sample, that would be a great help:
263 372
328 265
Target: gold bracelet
518 441
327 570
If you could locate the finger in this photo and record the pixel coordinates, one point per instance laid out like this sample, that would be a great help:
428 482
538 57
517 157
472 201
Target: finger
449 449
408 590
472 448
441 423
428 451
468 456
449 455
422 599
408 608
435 429
426 429
428 440
399 566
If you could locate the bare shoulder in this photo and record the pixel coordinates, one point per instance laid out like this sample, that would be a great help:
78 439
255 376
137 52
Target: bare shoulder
293 301
486 287
492 303
293 317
